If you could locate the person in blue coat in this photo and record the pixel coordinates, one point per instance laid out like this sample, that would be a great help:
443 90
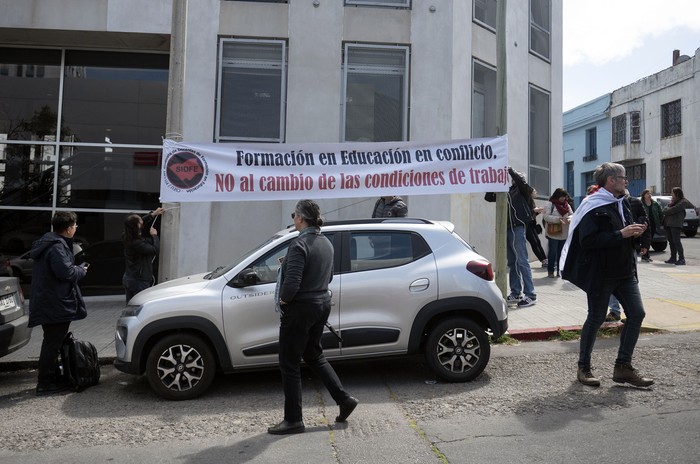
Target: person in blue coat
55 300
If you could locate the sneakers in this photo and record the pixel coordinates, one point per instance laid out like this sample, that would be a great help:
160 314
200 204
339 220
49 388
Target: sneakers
585 376
551 275
513 300
612 317
526 301
672 261
544 263
680 262
625 373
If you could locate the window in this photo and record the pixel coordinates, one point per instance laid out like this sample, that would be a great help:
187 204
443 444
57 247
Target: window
251 92
671 174
540 140
635 127
485 12
376 93
381 250
540 27
619 130
671 119
483 101
395 3
591 145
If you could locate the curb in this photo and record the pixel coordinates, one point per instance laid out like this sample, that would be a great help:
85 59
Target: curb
528 335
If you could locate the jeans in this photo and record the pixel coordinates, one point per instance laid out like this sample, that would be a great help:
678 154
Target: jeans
614 305
301 327
627 291
520 276
50 347
674 241
534 239
553 253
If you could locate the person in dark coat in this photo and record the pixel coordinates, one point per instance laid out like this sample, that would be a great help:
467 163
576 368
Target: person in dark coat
305 305
139 252
390 207
55 300
674 215
599 258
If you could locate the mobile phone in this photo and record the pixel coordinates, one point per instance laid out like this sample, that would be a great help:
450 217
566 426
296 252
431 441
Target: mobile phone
86 265
641 220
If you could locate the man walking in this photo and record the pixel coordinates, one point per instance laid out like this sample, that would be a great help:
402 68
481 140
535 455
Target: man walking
599 257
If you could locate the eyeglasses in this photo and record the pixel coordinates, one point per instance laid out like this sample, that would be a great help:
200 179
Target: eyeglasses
621 177
293 214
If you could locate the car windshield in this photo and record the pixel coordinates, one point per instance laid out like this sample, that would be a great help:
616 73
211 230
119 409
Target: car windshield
221 270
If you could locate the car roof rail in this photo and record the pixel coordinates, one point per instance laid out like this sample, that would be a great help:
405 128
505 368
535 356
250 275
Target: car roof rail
397 220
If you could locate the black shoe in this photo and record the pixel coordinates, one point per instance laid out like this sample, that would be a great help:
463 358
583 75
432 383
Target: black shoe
612 317
625 373
680 262
585 376
670 261
286 428
51 388
346 409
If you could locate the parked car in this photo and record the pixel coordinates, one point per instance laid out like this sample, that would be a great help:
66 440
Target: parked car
691 222
400 286
14 316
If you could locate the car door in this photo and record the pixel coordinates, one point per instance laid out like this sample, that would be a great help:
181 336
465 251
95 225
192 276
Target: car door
390 277
251 324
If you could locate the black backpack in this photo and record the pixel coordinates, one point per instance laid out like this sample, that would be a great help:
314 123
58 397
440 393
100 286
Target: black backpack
81 366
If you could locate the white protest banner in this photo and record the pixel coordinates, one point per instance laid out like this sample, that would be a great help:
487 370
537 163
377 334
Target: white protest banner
289 171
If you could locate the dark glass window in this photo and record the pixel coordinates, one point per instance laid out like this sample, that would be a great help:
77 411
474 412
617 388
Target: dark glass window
119 178
115 97
26 174
29 88
20 228
671 119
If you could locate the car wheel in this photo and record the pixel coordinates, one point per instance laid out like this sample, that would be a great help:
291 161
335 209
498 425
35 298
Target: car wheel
457 350
690 232
659 246
180 367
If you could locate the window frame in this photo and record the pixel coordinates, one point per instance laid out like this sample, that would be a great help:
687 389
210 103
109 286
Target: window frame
618 130
405 4
485 3
487 102
591 144
537 119
671 119
541 28
218 137
347 68
635 126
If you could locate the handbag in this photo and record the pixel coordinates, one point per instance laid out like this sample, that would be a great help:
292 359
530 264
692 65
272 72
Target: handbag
554 228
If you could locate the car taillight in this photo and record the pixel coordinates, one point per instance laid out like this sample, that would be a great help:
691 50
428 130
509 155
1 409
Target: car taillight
481 268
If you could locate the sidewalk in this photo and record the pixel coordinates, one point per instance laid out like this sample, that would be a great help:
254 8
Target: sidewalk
668 292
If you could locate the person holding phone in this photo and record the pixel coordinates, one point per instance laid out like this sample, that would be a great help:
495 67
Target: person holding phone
56 299
140 252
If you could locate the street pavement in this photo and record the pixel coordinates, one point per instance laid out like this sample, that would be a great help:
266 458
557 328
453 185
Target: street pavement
667 290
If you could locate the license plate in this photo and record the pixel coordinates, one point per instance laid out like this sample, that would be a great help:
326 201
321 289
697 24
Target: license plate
7 302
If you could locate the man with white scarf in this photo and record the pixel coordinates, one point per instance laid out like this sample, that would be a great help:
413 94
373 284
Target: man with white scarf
599 257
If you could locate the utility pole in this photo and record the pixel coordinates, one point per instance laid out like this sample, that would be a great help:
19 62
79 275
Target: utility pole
173 130
501 129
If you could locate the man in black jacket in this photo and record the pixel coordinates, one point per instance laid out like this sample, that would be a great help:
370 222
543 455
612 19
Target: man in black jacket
390 207
56 299
599 257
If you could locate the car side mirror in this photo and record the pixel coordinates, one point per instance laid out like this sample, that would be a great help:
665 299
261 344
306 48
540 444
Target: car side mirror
245 278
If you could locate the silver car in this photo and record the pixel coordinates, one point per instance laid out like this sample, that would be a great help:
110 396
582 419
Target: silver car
14 317
400 286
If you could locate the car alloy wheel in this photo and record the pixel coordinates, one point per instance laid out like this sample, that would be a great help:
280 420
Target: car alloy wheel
180 367
457 350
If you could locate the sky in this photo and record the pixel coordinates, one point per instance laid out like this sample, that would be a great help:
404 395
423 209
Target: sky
609 44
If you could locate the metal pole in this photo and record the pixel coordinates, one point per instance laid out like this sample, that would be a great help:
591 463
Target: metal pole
501 129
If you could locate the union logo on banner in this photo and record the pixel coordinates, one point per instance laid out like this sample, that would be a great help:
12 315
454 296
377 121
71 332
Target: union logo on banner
186 170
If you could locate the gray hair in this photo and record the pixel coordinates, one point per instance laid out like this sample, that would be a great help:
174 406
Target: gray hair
606 170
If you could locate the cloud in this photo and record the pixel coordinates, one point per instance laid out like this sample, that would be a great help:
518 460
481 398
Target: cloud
600 31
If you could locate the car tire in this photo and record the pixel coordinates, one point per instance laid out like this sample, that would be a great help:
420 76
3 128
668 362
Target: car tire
457 349
180 367
690 232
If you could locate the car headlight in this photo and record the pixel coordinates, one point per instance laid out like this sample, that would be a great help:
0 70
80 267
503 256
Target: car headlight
131 311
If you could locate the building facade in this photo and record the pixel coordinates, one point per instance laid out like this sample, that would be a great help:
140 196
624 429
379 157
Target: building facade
89 88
